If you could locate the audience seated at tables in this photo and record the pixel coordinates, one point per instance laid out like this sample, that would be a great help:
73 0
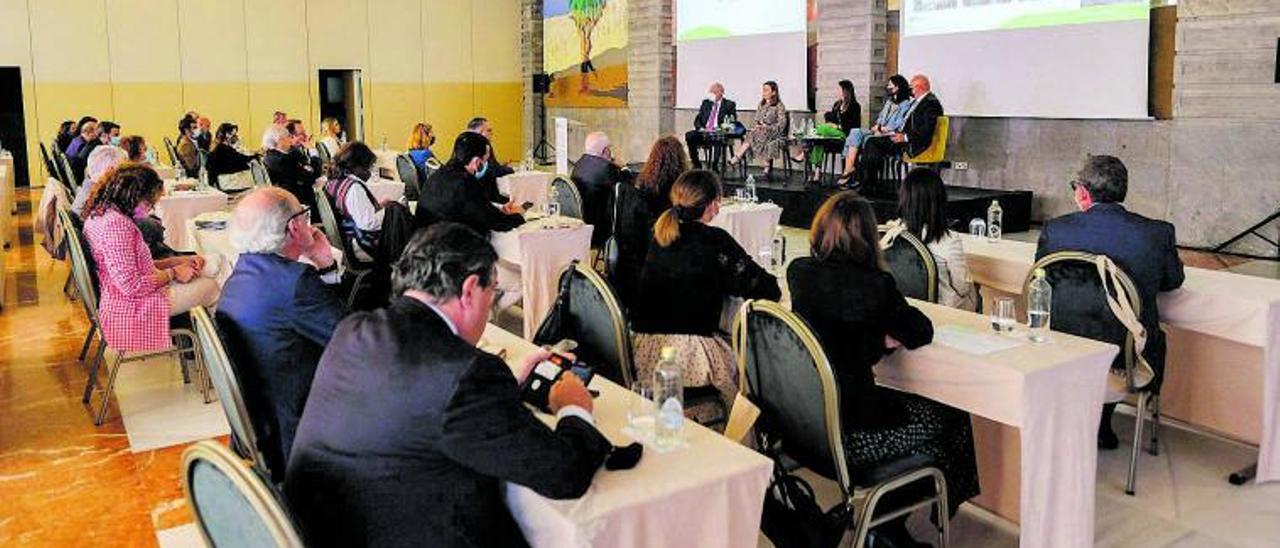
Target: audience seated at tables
188 152
290 171
595 175
638 208
278 120
103 160
916 133
858 315
87 131
203 134
277 313
922 209
138 292
225 159
419 146
136 147
456 191
108 134
714 111
378 230
410 432
497 169
767 135
331 134
67 132
689 274
1146 249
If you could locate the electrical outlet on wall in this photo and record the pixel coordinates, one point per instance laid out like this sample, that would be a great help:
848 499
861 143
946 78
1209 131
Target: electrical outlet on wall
959 166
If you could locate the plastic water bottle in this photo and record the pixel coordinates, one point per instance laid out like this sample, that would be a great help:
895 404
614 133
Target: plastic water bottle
995 222
553 201
204 178
1039 303
751 188
384 143
668 392
779 249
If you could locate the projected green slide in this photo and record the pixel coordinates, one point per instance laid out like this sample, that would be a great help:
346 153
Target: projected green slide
715 19
921 17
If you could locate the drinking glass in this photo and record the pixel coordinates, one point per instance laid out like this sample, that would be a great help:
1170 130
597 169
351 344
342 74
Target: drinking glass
1003 315
765 256
553 209
978 228
641 413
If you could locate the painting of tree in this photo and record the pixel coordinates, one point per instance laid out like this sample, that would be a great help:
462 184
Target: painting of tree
585 49
586 15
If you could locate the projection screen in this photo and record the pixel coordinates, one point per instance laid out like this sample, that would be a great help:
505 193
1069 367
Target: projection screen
742 44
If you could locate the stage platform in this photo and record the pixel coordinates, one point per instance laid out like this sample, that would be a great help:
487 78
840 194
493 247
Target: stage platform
800 201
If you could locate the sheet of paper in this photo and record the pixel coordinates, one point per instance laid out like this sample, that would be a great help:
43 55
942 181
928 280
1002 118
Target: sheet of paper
974 341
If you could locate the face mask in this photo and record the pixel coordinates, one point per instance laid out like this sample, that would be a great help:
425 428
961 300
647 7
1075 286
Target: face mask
141 211
115 141
151 156
484 168
432 141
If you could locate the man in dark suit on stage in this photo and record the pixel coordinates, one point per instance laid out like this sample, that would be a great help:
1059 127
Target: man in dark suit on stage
411 432
1146 249
915 137
713 112
277 313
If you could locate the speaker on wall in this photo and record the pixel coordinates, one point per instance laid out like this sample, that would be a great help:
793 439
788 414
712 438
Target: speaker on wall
541 83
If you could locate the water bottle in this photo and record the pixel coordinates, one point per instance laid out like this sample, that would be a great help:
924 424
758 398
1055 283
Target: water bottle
1039 303
384 143
553 201
779 249
751 188
995 222
668 392
204 178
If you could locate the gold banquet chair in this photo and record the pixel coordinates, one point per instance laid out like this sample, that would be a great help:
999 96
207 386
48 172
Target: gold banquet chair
233 505
783 369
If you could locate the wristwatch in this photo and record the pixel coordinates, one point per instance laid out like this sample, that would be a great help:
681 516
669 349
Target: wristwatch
333 267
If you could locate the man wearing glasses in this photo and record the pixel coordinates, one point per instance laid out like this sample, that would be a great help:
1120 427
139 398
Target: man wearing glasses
278 311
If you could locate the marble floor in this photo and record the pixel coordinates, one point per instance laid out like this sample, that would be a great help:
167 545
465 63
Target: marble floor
65 482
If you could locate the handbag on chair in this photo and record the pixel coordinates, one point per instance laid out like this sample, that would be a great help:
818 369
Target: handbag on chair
553 326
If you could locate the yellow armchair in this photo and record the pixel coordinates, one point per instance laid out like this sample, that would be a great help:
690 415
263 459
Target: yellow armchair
937 151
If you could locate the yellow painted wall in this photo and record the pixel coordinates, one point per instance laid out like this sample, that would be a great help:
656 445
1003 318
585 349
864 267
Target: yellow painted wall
143 63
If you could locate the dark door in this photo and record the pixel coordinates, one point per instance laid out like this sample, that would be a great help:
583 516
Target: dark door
13 129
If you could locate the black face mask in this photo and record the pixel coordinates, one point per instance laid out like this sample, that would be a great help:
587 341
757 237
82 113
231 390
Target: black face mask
432 142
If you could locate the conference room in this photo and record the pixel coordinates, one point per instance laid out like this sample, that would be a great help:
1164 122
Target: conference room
640 273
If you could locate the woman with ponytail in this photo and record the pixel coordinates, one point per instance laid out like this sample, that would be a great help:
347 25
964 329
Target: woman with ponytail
691 270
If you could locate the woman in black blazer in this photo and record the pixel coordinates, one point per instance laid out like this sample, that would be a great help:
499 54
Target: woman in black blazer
856 311
846 112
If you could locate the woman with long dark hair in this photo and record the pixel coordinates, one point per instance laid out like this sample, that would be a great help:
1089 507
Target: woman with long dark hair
892 116
638 208
846 112
855 309
138 293
922 210
224 158
768 133
691 270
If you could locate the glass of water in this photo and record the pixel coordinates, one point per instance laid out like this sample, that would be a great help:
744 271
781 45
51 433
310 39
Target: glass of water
1003 315
641 412
978 228
553 209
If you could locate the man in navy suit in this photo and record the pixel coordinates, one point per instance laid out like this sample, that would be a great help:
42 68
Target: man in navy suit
1145 248
714 111
277 313
411 432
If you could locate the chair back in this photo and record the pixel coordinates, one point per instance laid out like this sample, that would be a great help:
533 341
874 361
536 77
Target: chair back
408 172
937 151
322 150
174 159
82 271
260 176
913 267
568 197
597 323
784 371
333 230
233 505
1079 304
244 439
68 174
48 163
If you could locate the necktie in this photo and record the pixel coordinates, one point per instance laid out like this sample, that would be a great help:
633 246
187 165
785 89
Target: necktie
714 120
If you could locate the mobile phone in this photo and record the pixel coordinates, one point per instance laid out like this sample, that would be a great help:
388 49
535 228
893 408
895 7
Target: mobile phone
527 206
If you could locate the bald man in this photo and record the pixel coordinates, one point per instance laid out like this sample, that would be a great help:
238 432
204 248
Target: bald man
713 113
278 310
916 134
595 174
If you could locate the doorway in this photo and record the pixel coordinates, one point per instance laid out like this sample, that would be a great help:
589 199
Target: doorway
13 128
341 99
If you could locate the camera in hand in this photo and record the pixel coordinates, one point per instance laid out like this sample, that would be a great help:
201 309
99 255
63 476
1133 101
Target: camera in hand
537 387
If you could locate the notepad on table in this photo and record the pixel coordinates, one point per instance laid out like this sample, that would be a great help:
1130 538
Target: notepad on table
974 341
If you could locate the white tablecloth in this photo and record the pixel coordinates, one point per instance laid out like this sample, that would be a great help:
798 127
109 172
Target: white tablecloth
752 225
1052 392
387 190
387 163
526 186
1222 305
167 172
538 254
177 207
215 245
708 495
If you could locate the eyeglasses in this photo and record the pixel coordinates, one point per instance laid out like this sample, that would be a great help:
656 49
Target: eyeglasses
306 210
1075 183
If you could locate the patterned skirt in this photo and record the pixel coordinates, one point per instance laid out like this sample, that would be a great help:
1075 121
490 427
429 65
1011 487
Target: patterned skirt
707 361
942 432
